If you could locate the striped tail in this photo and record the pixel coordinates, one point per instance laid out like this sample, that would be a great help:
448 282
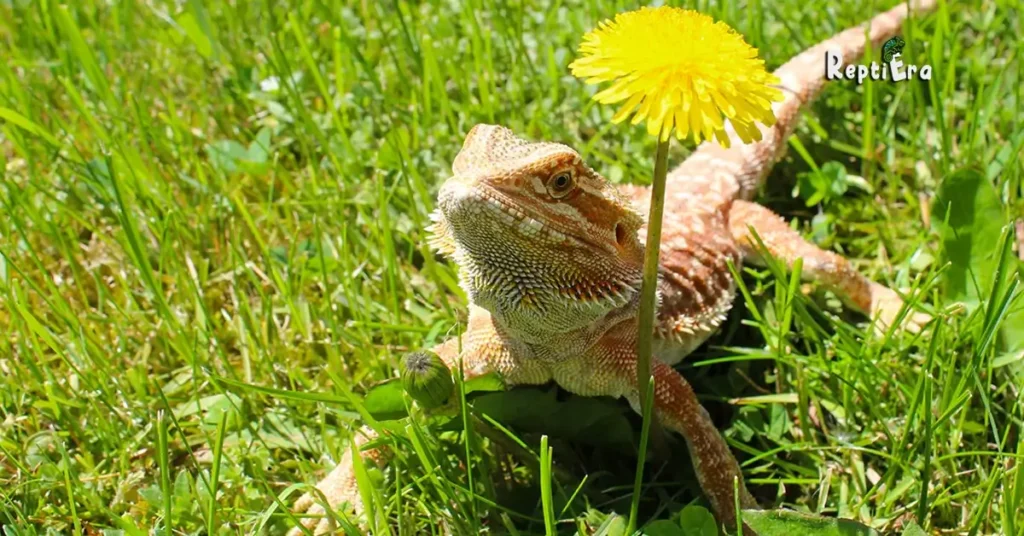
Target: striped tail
739 171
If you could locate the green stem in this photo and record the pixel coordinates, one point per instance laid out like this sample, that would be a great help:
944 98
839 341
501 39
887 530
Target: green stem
646 403
645 333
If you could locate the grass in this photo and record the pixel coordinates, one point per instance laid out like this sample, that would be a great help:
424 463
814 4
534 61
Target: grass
212 232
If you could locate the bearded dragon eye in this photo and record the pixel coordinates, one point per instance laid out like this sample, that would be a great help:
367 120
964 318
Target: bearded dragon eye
561 184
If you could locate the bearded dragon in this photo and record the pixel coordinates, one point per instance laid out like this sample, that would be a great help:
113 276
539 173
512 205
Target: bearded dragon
550 254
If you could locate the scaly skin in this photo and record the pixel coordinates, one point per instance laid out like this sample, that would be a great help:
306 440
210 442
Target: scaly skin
551 254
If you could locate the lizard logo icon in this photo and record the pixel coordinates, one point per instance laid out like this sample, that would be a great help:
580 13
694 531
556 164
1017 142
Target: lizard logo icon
892 47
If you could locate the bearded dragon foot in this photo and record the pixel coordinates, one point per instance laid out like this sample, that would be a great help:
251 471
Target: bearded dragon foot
886 305
339 490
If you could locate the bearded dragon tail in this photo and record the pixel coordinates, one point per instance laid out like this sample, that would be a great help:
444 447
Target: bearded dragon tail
738 172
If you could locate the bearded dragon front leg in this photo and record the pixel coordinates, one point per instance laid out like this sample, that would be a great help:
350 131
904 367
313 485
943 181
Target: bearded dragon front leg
609 369
485 349
717 470
833 271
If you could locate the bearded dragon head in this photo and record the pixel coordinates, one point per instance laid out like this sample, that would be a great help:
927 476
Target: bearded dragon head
542 241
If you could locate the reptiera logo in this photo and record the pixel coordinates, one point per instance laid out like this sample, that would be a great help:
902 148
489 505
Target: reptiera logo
893 68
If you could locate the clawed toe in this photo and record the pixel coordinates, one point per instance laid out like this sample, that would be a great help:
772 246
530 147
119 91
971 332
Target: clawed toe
337 489
886 306
310 506
314 517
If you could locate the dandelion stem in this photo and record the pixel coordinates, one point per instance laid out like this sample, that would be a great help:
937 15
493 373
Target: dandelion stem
646 404
650 281
648 303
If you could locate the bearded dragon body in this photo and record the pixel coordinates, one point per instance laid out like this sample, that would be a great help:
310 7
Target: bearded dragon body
551 255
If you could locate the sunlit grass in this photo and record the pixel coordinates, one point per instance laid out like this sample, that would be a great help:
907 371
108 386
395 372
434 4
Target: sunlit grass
212 232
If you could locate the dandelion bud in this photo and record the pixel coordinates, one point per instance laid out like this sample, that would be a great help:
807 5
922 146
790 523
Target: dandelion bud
426 378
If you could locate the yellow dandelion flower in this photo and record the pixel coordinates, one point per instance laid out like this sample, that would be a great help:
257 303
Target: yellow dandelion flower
679 69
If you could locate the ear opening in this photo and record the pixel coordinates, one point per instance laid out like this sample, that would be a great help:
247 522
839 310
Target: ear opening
621 235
